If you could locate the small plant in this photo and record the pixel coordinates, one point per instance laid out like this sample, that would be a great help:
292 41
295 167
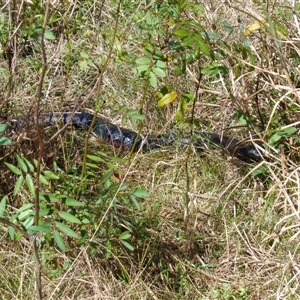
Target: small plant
63 216
4 141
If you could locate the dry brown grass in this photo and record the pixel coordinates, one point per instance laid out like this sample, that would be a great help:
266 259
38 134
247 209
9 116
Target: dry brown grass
222 234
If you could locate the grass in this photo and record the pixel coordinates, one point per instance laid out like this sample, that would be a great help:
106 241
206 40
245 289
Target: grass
170 224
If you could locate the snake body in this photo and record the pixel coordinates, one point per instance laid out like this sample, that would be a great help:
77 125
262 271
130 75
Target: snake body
130 140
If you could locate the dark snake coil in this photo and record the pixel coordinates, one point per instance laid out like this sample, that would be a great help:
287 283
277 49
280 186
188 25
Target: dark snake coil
130 140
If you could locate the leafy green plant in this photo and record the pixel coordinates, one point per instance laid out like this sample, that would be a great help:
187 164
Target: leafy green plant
4 141
63 216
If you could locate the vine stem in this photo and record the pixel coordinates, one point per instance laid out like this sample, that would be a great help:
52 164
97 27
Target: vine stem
40 154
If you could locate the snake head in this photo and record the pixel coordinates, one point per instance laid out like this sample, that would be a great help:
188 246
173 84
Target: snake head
248 153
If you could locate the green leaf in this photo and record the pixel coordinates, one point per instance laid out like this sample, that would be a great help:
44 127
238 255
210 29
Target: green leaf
4 141
286 132
181 109
24 207
153 79
143 61
42 228
67 230
159 72
127 245
3 127
94 166
142 69
161 64
11 232
14 169
289 131
18 185
25 214
73 202
59 241
50 175
45 212
49 197
181 33
30 184
2 206
148 18
22 164
125 235
49 35
68 217
83 55
43 180
139 193
135 202
203 46
95 158
167 99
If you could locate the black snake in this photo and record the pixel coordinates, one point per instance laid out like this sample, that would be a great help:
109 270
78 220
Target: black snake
130 140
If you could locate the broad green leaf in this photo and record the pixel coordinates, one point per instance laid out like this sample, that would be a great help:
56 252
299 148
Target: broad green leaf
24 207
125 235
161 64
25 214
2 206
153 79
73 202
159 72
203 46
49 197
181 109
139 193
167 99
4 141
50 175
67 230
11 232
83 65
134 114
127 245
41 228
181 33
83 55
59 241
29 221
22 164
30 184
142 69
274 138
49 35
14 169
148 18
3 127
43 180
143 61
289 131
46 212
29 164
69 217
94 166
18 185
135 202
95 158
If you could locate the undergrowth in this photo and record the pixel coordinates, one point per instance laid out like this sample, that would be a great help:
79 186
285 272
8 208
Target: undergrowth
84 220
